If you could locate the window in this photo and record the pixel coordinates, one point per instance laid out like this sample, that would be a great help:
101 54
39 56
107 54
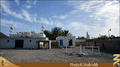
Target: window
7 40
30 40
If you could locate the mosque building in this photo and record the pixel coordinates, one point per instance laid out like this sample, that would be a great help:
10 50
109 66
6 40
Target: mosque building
25 40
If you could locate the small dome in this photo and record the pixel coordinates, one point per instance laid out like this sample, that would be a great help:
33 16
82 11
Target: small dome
42 26
11 27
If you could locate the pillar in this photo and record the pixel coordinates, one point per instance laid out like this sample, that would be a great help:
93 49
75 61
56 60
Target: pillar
49 44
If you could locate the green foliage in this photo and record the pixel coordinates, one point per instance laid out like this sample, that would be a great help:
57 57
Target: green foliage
80 38
102 37
55 32
64 32
48 34
33 32
89 40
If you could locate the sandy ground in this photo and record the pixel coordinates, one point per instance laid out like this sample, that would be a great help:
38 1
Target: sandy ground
53 55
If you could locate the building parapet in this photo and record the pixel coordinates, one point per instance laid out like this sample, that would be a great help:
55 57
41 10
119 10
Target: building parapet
27 35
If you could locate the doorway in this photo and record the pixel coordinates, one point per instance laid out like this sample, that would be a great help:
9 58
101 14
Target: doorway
18 43
43 45
70 42
61 42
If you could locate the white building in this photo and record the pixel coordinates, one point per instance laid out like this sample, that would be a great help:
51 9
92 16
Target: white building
28 40
66 41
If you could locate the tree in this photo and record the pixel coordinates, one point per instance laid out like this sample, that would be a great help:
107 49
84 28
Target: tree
65 32
80 37
33 32
48 34
55 32
102 37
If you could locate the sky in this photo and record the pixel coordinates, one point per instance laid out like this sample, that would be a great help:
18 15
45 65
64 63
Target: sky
79 17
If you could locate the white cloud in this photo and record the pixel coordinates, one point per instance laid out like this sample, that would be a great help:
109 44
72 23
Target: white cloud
35 15
58 24
64 16
85 5
109 13
28 1
28 6
34 2
49 18
74 11
6 7
60 17
17 1
27 15
35 19
54 16
7 23
105 14
45 21
77 26
109 10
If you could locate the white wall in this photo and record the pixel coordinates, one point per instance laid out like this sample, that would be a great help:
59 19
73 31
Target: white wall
82 40
66 40
26 42
32 44
5 44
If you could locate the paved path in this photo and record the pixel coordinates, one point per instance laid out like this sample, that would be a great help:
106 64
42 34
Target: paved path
51 55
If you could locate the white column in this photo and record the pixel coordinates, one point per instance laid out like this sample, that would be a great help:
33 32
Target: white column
66 49
49 44
92 48
80 49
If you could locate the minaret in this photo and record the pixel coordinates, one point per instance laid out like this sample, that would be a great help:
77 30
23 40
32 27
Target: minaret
42 29
11 29
87 36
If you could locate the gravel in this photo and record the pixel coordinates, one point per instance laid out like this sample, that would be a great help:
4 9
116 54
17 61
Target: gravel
54 55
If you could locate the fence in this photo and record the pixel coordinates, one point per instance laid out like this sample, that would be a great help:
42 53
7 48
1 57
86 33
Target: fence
94 49
83 49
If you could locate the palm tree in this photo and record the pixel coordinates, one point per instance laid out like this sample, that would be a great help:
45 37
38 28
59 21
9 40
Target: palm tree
66 32
48 34
56 31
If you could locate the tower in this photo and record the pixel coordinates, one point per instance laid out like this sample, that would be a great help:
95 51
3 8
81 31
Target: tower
87 36
42 29
11 29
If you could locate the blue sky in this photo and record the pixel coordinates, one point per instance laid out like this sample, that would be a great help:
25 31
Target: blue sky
96 17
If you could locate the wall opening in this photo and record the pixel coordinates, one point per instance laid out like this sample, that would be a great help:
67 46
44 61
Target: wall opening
7 40
43 45
19 43
30 40
70 42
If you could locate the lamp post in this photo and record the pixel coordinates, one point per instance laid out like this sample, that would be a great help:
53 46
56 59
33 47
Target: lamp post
109 33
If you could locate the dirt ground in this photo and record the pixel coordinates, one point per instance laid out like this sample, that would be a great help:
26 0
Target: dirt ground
53 55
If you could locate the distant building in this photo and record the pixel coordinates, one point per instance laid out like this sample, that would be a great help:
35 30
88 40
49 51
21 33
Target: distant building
87 36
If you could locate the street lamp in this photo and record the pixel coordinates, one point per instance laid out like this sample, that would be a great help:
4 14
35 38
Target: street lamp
108 32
